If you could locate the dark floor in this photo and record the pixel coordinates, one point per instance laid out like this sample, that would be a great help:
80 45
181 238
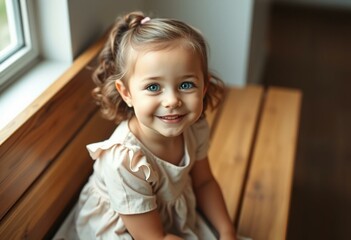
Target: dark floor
310 49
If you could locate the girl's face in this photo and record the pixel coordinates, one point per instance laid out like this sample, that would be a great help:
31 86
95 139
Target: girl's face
166 91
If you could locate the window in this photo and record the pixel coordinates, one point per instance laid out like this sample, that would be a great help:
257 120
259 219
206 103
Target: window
11 29
17 45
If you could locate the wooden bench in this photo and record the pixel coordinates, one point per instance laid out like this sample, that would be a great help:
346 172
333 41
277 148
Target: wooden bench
252 156
44 163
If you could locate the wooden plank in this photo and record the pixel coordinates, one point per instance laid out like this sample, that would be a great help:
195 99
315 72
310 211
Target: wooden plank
30 142
35 214
230 144
33 148
266 200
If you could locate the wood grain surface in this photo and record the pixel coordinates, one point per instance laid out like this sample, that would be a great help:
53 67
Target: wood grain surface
264 214
232 140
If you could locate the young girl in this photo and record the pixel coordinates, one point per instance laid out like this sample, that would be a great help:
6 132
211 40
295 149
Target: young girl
153 173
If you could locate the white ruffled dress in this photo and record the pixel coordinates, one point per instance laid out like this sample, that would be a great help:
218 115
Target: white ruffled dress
129 179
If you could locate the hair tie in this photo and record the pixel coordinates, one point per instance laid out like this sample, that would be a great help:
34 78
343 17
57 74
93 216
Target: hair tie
145 20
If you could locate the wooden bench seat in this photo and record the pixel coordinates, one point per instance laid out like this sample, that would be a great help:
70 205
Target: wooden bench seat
252 157
253 143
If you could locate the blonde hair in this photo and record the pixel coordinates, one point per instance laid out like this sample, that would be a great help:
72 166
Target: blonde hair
129 35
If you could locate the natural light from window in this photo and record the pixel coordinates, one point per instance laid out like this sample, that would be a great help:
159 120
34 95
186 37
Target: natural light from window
17 48
10 29
27 72
4 28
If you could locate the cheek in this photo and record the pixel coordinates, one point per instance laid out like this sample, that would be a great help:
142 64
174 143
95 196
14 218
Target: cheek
144 105
196 102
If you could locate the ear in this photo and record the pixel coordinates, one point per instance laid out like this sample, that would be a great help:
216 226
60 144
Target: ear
123 91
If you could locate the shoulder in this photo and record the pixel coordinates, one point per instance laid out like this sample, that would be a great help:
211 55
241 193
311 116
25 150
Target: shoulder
122 144
121 152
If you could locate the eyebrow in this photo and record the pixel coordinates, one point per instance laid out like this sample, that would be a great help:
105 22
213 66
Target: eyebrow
152 78
158 78
190 76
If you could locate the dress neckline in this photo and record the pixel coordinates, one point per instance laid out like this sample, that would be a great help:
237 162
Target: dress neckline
184 162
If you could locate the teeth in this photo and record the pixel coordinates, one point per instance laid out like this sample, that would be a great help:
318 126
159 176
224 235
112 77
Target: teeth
170 118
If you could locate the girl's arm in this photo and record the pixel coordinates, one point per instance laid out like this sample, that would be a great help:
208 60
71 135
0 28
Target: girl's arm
210 199
146 226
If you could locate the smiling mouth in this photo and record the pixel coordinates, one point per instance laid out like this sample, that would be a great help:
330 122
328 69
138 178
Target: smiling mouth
171 117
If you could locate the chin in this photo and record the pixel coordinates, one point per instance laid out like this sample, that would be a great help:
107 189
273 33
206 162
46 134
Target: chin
171 134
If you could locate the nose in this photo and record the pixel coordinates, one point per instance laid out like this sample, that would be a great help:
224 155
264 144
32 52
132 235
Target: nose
171 100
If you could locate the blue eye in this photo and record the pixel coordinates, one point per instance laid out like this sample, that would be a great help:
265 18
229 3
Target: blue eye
187 85
153 87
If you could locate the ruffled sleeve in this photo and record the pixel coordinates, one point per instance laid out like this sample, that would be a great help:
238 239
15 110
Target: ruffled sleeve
127 175
201 131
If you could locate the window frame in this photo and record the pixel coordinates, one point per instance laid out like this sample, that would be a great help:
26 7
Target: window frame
25 56
15 29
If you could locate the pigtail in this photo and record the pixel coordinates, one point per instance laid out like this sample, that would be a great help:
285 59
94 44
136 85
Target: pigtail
108 71
214 94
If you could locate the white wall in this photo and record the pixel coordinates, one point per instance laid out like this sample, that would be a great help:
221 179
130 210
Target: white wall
53 30
226 25
67 27
89 19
